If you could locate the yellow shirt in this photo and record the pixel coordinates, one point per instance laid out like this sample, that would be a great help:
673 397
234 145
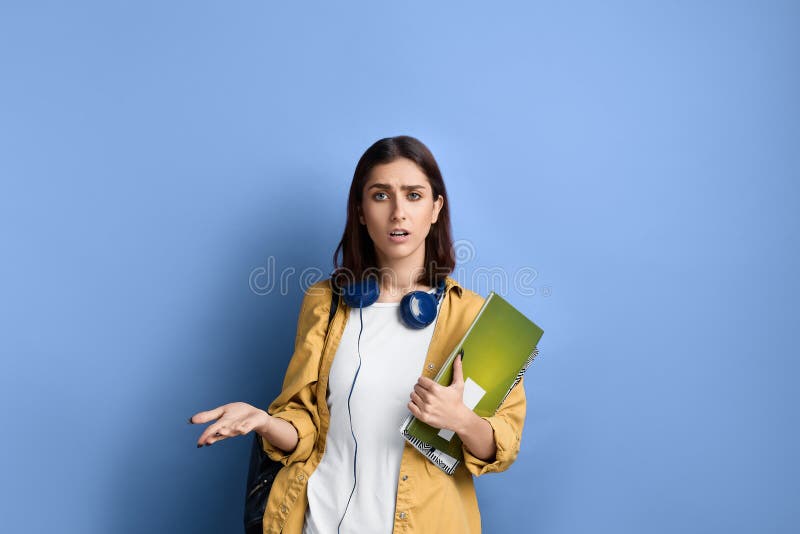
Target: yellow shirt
428 500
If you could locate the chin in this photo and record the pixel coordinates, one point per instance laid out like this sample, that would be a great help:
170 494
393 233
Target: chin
399 252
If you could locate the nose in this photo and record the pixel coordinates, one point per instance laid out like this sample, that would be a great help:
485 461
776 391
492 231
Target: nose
398 213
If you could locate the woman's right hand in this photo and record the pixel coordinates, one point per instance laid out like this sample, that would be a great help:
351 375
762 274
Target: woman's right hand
234 419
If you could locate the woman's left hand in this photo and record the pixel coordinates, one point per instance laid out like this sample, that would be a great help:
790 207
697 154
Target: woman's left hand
440 406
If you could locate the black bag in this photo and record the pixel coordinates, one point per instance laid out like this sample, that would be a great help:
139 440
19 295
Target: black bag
263 470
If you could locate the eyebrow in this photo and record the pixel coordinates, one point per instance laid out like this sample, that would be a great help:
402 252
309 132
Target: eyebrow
403 187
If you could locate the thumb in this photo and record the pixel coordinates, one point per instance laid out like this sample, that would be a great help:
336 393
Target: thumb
458 372
205 417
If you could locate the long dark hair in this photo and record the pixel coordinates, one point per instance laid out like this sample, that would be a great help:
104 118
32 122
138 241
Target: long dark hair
359 259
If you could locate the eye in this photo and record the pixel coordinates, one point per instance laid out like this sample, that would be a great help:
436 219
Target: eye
375 196
415 193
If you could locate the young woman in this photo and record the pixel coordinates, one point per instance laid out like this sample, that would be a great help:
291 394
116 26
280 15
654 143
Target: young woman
348 387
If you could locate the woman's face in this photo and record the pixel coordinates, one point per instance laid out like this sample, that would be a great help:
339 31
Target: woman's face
398 196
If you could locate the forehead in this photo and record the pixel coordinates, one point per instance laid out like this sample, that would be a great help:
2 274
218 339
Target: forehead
401 171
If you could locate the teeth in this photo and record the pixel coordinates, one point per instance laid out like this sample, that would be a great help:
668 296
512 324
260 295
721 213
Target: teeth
399 233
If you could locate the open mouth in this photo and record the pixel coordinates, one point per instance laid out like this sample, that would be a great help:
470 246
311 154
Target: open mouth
398 236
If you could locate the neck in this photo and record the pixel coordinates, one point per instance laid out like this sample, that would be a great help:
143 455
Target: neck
400 276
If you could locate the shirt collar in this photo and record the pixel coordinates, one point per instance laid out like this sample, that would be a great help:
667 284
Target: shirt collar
451 283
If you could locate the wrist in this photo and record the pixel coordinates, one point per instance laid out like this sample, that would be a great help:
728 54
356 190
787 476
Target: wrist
264 427
463 420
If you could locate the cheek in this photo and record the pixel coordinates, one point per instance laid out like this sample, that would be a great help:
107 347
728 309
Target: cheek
372 221
424 214
368 215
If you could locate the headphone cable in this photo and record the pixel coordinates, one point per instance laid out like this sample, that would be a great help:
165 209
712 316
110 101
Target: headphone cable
350 415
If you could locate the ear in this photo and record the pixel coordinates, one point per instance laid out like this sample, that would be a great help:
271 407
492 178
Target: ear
437 207
361 216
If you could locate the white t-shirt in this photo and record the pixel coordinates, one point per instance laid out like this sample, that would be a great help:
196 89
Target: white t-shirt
392 358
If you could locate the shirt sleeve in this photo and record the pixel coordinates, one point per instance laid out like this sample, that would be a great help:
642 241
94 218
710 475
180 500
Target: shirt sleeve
507 425
297 401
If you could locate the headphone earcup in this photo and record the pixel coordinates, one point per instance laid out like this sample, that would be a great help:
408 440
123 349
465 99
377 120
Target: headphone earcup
362 293
418 309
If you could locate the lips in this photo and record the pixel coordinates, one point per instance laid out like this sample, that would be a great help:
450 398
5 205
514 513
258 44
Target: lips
399 235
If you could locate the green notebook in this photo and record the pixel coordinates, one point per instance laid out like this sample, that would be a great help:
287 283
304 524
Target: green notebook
496 351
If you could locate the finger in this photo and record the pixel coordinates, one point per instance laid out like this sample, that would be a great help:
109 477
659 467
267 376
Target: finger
210 433
210 415
224 431
422 392
417 399
415 411
218 436
427 383
458 372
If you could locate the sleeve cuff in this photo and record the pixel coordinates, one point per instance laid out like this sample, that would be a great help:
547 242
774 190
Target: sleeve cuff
306 434
506 441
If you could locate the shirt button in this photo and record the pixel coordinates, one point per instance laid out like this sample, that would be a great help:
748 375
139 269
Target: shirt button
402 515
301 477
431 366
283 508
405 477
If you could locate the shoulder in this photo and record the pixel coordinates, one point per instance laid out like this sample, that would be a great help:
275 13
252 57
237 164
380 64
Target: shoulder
465 295
318 294
319 289
316 303
471 297
314 310
465 300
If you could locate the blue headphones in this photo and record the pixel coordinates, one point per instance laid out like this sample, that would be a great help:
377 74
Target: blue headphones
417 308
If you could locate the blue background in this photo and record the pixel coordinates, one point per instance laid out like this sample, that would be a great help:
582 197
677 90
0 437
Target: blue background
641 158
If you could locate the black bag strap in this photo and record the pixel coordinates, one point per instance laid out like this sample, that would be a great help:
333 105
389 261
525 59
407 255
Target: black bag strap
334 303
